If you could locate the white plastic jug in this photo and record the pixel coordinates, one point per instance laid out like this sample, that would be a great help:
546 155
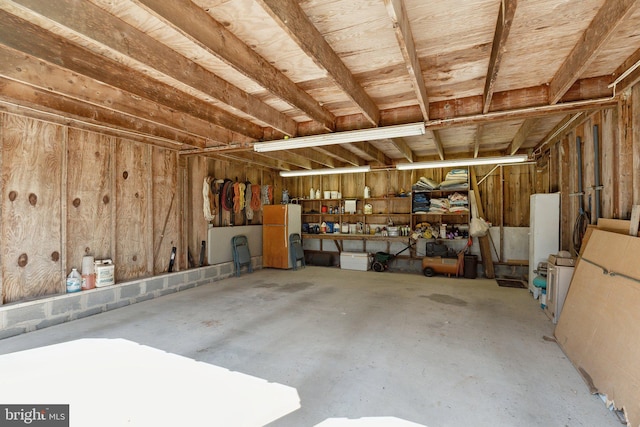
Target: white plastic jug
74 281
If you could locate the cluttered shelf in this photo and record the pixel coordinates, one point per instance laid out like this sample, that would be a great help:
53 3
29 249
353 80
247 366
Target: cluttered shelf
345 236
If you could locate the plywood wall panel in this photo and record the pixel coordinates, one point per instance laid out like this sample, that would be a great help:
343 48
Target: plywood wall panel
132 196
90 196
166 226
31 246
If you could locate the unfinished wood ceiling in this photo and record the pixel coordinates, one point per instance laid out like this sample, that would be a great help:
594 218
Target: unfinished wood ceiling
213 76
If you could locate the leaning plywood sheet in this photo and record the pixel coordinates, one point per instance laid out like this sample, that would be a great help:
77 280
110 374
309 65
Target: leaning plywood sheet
600 322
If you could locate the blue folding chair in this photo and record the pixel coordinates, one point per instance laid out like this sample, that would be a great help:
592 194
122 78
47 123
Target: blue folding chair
296 253
241 254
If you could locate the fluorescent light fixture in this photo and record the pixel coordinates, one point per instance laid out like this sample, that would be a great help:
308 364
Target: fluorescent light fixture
462 162
328 171
341 137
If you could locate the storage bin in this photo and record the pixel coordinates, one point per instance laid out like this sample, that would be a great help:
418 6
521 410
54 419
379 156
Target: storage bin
470 266
354 261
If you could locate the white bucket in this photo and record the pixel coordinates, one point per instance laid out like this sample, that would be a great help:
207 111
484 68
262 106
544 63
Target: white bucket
327 194
334 194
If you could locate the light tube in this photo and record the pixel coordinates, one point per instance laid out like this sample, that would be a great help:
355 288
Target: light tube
413 129
327 171
462 162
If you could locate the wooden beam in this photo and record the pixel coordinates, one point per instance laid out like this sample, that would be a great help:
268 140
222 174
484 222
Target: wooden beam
55 80
628 73
96 24
318 158
290 158
291 18
367 148
251 158
438 143
398 14
563 127
483 241
500 36
403 148
75 111
606 21
477 140
341 154
191 20
522 113
521 135
35 41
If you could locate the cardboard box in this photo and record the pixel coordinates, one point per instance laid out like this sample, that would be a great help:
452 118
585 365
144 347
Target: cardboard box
562 261
354 261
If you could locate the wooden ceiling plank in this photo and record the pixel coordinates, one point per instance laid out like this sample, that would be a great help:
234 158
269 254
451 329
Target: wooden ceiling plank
292 19
50 78
438 142
341 154
521 135
200 27
35 41
398 14
402 146
378 156
98 25
501 34
478 139
42 100
609 16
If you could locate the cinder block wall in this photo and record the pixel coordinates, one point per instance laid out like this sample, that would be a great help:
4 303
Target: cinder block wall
18 318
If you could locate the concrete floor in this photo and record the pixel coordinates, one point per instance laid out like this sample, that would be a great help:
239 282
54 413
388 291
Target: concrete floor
436 352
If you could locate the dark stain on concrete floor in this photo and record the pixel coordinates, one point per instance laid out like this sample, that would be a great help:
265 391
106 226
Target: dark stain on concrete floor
446 299
286 287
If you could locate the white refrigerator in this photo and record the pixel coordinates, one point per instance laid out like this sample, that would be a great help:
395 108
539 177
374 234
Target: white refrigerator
544 230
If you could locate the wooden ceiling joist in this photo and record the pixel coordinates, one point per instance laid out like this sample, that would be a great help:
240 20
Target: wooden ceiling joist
47 101
35 41
292 19
403 148
55 80
501 34
438 142
566 124
521 135
341 154
610 15
628 74
522 113
290 157
252 158
99 26
477 140
398 14
318 158
193 22
378 156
